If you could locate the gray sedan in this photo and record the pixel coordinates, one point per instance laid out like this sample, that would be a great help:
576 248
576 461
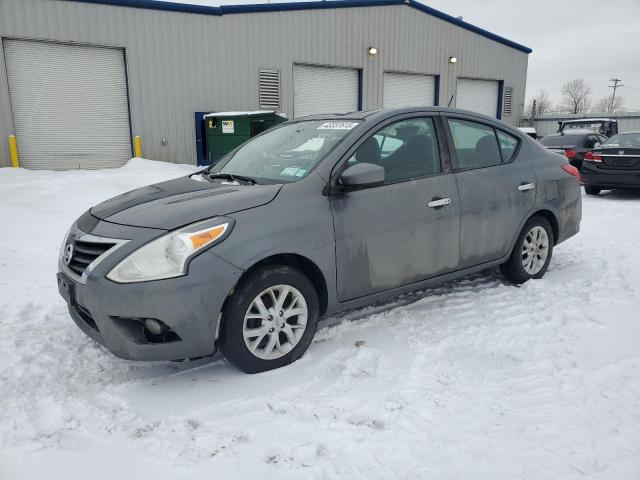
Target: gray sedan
315 216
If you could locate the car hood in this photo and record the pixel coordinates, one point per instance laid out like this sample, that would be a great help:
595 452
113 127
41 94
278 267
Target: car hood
172 204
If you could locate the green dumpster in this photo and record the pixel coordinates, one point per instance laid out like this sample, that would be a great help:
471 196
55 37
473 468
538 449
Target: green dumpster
227 130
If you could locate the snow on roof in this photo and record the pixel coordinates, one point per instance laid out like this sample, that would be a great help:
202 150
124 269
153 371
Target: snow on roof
239 114
527 129
583 120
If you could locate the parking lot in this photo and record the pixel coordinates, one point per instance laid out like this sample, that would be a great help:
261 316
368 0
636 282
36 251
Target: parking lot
471 379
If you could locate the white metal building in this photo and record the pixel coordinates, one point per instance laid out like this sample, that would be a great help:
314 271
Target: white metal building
78 79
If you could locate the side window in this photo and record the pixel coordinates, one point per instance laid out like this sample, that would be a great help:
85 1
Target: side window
475 144
508 145
405 149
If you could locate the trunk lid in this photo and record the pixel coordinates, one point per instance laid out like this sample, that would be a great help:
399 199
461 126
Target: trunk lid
619 157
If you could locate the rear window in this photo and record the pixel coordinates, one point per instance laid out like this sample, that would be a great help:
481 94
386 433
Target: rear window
586 126
562 140
508 145
624 140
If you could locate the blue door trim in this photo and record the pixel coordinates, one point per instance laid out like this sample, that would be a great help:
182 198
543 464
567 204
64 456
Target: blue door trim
360 89
500 95
436 91
201 139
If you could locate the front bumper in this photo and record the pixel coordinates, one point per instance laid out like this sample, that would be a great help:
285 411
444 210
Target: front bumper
113 314
593 174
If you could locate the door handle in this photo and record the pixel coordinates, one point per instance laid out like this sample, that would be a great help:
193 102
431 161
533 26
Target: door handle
526 186
439 202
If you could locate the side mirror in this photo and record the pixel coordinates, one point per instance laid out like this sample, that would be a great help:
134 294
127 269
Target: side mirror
362 175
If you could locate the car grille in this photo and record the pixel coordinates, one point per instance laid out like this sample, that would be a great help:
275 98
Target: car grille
84 253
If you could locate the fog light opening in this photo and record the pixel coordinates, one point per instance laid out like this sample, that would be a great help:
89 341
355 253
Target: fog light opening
154 326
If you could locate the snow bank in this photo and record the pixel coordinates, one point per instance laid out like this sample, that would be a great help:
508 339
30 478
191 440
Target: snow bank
470 379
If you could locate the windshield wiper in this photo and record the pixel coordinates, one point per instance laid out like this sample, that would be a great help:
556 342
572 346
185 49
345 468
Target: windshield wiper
231 178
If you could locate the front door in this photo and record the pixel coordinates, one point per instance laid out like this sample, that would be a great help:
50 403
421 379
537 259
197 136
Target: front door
497 190
405 230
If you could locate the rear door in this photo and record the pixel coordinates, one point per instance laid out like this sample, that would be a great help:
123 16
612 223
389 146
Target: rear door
405 230
497 190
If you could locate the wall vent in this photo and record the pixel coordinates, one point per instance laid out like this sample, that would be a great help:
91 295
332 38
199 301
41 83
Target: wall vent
269 89
508 101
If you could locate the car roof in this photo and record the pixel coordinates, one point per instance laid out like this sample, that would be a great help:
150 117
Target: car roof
378 115
579 133
582 120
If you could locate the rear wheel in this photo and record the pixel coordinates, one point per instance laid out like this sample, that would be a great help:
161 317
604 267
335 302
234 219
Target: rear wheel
592 190
532 253
270 320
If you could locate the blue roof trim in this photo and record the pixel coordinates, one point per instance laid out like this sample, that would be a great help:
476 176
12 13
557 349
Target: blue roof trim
157 5
467 26
314 5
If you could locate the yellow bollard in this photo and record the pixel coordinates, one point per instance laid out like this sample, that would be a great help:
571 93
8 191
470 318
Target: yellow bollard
137 146
13 151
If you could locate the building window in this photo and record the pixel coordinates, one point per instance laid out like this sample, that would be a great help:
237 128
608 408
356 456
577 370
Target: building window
508 97
269 89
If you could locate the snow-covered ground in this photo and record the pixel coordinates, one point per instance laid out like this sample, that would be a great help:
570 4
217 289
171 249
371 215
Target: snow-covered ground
473 379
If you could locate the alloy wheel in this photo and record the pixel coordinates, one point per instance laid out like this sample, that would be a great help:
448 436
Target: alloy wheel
535 250
275 322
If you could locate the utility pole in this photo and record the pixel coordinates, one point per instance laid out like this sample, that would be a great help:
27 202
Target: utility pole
615 86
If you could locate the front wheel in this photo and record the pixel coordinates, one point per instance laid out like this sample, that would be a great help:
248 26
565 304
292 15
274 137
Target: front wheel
532 253
270 320
591 190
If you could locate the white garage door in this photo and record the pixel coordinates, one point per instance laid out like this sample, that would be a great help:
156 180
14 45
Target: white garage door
324 90
408 90
478 95
69 105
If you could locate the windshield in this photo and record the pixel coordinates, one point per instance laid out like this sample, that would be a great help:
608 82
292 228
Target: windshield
624 140
561 140
285 154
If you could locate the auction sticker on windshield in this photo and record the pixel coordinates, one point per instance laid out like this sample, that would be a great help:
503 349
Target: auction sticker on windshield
337 125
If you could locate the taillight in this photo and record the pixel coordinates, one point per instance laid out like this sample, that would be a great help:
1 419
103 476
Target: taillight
570 153
571 170
592 157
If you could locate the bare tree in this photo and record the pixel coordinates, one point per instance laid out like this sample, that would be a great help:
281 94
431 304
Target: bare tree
606 105
542 102
577 96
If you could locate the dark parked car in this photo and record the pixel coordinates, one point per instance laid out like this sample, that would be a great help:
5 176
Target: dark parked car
613 165
312 217
573 146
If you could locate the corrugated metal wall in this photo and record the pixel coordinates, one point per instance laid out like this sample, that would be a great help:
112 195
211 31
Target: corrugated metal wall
627 122
180 63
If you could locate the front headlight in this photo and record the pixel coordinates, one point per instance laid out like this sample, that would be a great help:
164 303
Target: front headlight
168 256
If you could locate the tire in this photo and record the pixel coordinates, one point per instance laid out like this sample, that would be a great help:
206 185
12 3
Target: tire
271 337
517 269
592 190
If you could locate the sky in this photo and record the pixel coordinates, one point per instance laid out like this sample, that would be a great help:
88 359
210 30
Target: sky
570 39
